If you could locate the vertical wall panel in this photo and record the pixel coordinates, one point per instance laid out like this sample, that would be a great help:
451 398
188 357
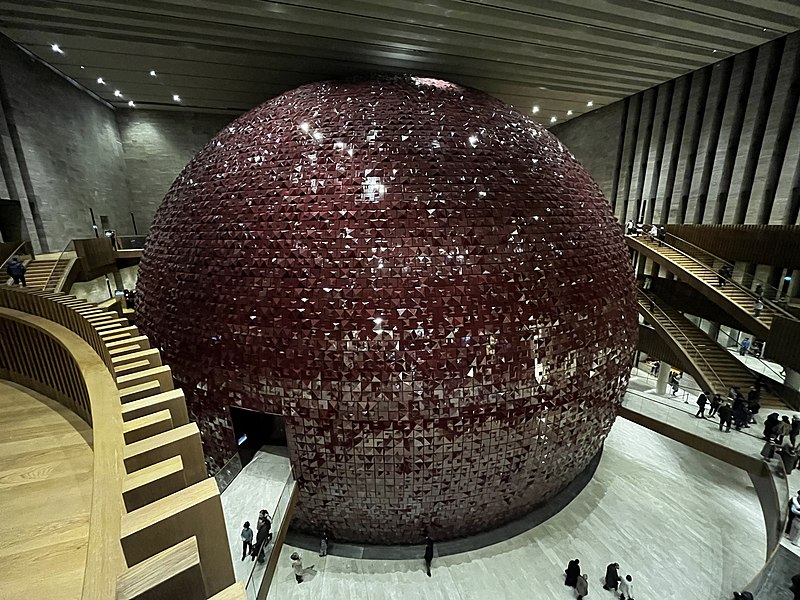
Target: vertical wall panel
787 194
729 135
672 146
707 144
626 162
776 135
653 171
688 151
755 118
640 154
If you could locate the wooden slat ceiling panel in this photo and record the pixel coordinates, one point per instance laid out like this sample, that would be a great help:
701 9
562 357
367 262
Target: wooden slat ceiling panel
557 55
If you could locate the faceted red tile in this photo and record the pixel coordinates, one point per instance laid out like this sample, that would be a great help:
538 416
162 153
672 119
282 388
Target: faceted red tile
422 280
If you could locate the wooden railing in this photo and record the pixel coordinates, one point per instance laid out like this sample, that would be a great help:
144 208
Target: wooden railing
156 519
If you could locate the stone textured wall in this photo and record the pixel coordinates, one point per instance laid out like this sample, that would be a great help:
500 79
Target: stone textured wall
719 145
68 151
594 140
158 145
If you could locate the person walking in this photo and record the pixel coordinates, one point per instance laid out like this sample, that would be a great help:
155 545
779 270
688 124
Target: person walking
247 540
662 235
630 228
784 428
573 571
794 511
323 544
297 566
16 270
582 586
722 274
263 535
759 291
758 306
673 382
612 577
428 554
725 417
744 346
701 402
771 425
654 367
795 430
626 588
715 404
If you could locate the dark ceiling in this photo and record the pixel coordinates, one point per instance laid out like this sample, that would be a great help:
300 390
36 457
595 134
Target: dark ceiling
232 55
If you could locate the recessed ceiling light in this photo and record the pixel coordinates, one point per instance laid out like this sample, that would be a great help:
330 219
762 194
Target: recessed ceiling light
131 103
100 81
304 126
590 104
152 73
569 113
535 109
118 94
473 140
82 67
713 52
55 48
764 29
553 119
318 135
176 98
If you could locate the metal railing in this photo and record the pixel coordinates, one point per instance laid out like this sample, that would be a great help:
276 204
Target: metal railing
646 302
55 274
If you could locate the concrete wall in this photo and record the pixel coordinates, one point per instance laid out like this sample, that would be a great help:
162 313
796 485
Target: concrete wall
595 141
62 154
719 145
158 144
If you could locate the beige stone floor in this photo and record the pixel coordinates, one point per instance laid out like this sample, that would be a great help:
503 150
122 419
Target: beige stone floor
686 526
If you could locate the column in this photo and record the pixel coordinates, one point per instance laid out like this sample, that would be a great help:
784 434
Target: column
792 379
663 378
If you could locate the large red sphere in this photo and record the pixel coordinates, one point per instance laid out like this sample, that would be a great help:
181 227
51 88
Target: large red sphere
422 280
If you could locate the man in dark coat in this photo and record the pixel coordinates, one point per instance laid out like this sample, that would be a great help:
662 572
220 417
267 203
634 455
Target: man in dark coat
572 571
612 577
725 416
16 270
428 554
701 402
662 235
263 535
716 401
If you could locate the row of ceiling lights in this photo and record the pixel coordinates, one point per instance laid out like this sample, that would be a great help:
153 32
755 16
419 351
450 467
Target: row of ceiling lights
554 118
117 93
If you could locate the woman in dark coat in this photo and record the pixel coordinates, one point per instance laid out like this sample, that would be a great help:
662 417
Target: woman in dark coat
573 571
770 425
612 577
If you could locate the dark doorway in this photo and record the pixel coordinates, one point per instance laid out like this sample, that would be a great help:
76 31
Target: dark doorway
255 429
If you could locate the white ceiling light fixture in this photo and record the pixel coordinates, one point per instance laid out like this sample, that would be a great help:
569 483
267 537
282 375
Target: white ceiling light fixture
553 119
176 98
82 67
569 113
590 104
304 127
56 48
535 109
117 93
131 103
152 73
100 81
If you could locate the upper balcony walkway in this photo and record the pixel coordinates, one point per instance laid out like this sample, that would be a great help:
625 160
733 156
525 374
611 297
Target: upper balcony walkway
700 270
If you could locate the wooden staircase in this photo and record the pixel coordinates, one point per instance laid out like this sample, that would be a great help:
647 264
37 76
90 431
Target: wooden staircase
47 274
737 300
714 367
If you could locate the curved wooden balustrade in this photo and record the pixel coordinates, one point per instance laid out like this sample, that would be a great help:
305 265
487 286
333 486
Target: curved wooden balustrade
156 519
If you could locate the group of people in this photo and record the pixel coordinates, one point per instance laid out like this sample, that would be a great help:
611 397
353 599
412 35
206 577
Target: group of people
776 429
262 536
612 581
735 410
658 233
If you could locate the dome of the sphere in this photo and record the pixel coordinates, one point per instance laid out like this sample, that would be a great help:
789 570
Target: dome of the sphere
423 281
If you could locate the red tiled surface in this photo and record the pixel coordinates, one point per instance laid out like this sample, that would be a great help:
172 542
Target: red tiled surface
423 280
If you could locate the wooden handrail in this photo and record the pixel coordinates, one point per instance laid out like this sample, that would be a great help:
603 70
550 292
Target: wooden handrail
94 365
104 559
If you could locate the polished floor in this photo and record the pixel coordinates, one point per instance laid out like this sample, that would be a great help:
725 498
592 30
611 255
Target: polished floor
684 525
45 496
258 486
